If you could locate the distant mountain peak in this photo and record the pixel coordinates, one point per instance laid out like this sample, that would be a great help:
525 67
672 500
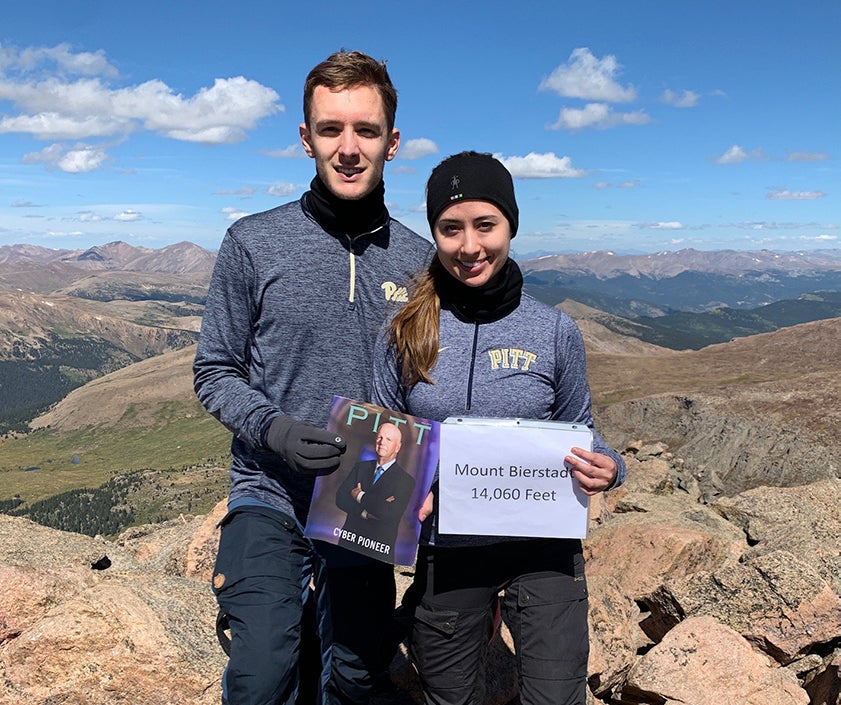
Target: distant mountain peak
665 264
179 258
92 255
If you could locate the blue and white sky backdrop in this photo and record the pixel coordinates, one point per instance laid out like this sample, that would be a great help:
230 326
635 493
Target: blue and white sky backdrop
628 126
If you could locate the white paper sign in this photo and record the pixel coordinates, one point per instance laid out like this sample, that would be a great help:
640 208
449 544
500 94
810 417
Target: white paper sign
507 477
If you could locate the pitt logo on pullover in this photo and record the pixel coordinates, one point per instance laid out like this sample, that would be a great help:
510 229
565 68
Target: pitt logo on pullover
398 294
511 359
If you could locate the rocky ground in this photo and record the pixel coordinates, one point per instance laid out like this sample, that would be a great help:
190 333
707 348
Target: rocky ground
693 601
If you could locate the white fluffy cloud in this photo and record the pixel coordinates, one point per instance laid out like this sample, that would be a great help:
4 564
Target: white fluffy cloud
541 166
807 157
737 154
293 151
128 216
221 113
283 189
78 159
80 63
49 105
783 194
734 155
597 115
87 108
684 99
586 77
417 148
57 126
233 214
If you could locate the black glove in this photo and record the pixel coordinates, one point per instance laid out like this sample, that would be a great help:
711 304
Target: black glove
304 447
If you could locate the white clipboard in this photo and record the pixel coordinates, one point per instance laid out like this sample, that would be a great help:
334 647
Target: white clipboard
507 477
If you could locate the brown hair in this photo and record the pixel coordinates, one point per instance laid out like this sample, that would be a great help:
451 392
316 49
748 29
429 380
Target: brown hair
414 331
349 69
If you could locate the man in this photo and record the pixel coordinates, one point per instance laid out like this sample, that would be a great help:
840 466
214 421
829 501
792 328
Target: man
297 296
375 495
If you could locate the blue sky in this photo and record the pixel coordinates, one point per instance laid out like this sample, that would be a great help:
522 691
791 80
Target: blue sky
628 126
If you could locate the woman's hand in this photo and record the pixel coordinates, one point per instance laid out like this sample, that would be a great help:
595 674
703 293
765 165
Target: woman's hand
595 472
426 507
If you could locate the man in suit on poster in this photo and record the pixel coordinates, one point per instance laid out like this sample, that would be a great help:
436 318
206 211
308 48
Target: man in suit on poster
375 495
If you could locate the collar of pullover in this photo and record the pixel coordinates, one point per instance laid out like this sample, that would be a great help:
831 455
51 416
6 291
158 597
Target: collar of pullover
486 303
351 218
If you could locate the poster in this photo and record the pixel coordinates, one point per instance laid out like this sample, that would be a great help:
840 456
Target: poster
370 504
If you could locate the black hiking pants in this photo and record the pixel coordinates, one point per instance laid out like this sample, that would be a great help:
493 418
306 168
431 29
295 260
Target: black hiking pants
544 605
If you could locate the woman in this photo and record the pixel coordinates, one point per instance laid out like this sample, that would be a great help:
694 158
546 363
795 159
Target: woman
434 360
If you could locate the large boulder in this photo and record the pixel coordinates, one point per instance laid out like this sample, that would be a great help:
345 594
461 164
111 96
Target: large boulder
702 661
82 621
775 601
805 520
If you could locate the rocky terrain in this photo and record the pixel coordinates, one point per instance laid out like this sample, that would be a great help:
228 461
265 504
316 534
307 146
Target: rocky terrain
731 601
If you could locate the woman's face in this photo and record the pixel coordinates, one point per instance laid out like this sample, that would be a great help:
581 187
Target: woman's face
473 239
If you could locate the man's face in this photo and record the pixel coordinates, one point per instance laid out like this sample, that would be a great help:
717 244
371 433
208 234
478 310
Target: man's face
347 134
388 443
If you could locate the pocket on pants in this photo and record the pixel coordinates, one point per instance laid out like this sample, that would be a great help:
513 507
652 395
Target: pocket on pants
440 644
257 545
549 626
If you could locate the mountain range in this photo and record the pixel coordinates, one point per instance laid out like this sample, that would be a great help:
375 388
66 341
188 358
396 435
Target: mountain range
179 258
110 322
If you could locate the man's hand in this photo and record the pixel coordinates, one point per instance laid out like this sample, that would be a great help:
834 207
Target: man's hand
305 447
356 491
595 472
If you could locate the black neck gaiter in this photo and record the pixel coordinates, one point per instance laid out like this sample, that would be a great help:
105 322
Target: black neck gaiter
481 304
352 218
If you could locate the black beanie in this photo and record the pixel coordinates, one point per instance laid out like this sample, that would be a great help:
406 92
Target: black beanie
471 176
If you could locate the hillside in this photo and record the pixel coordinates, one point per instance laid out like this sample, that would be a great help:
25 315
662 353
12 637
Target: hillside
783 356
605 333
29 323
51 344
110 285
67 317
746 413
131 396
686 330
141 423
755 411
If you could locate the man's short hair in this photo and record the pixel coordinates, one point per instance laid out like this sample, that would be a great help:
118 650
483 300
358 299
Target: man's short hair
349 69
